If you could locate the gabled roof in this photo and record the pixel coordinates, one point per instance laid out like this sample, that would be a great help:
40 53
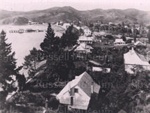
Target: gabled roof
134 58
84 47
85 79
102 33
94 63
139 43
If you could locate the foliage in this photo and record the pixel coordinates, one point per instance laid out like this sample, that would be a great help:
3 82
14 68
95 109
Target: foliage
148 35
50 43
7 65
69 38
31 61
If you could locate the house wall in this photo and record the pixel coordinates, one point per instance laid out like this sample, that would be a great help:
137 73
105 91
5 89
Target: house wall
80 99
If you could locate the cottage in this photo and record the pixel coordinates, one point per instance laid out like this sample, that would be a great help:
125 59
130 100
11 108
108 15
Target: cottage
119 42
84 39
83 48
87 31
133 60
77 93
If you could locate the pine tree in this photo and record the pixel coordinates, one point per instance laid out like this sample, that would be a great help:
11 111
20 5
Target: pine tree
50 43
7 64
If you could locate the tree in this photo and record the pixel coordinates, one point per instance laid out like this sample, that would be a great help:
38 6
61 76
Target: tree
70 37
50 43
7 65
148 35
31 60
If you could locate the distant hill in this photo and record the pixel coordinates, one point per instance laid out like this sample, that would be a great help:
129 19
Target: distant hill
15 20
69 14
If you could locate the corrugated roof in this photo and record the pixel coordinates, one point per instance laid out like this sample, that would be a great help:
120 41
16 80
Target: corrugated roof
134 58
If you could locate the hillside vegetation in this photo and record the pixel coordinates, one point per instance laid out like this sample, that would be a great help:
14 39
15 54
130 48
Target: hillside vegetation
69 14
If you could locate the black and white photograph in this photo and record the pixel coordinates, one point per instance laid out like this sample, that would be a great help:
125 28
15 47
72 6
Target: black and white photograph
74 56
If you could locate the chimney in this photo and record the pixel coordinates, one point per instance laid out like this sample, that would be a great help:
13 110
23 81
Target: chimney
92 88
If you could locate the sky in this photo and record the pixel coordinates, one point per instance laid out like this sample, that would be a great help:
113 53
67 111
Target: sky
28 5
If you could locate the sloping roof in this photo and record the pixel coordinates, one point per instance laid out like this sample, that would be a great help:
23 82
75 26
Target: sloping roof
94 63
84 38
139 43
122 111
119 40
84 47
85 79
134 58
101 33
118 36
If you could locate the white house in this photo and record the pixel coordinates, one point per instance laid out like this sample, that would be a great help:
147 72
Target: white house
133 60
87 31
119 42
77 93
84 39
83 48
101 69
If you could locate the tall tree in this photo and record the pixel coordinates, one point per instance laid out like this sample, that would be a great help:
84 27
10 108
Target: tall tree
7 65
70 37
51 47
50 43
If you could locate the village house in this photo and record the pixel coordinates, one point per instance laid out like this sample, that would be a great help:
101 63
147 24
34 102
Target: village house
87 31
135 61
119 42
83 48
143 40
84 39
95 66
77 93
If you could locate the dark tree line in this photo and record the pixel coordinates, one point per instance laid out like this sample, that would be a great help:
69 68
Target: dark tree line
8 69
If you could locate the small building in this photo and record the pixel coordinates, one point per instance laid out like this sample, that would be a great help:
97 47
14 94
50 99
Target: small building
87 31
101 69
77 93
135 61
119 42
83 48
84 39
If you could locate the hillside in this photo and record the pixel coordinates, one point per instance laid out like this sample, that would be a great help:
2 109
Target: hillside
69 14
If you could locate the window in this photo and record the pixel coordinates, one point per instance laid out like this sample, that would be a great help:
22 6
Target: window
75 90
